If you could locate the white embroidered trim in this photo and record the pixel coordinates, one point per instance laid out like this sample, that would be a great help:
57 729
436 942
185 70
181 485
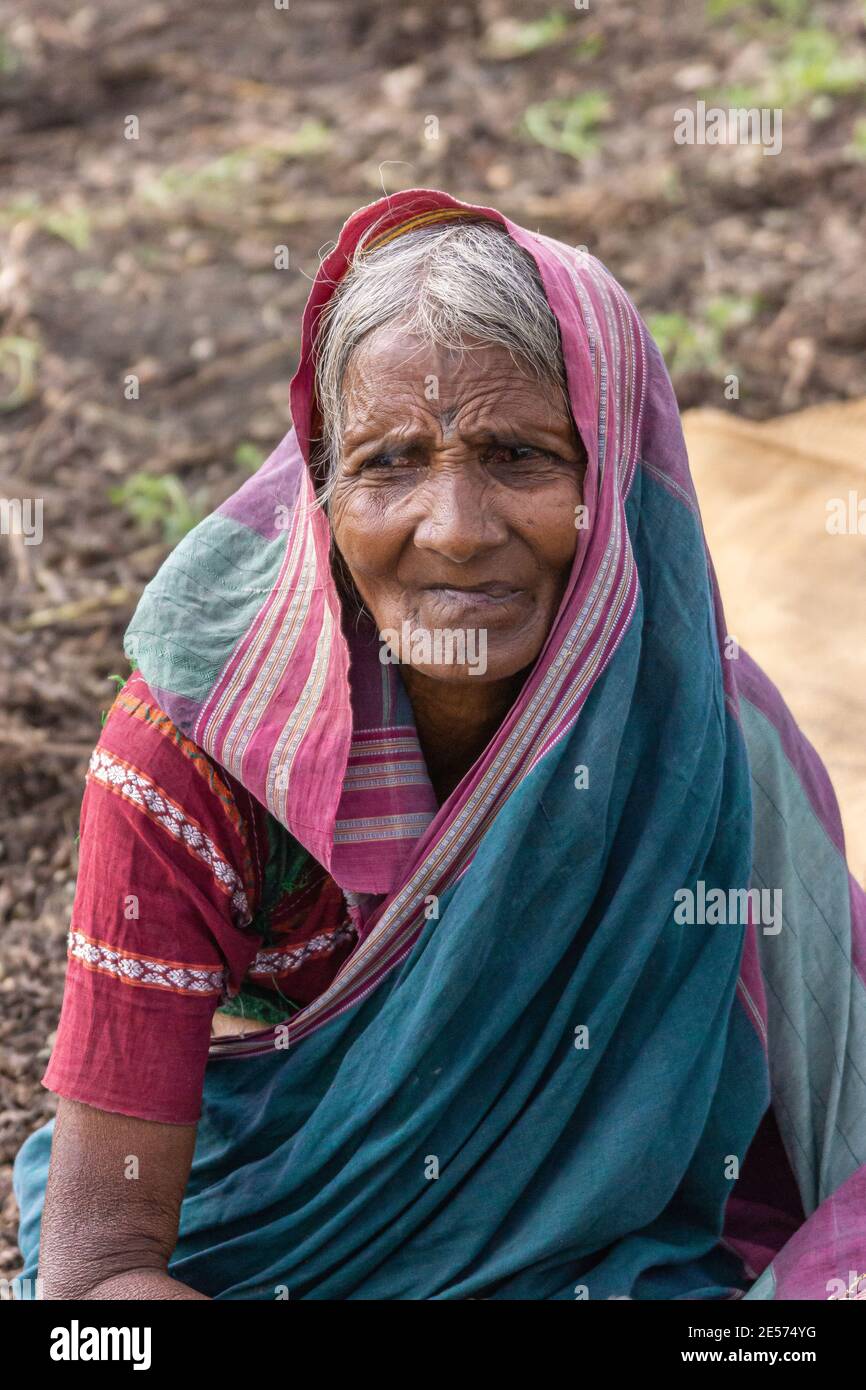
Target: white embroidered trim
113 772
143 970
274 961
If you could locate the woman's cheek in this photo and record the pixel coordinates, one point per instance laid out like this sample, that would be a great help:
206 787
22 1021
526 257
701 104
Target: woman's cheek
369 550
549 525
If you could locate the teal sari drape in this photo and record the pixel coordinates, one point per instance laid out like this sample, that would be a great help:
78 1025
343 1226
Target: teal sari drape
457 1133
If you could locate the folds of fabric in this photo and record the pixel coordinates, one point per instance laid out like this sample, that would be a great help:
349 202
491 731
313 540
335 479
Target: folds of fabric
530 1079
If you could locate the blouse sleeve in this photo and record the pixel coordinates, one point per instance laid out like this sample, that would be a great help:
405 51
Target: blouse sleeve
167 885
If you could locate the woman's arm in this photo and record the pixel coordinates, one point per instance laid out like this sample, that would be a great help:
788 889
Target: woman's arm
112 1206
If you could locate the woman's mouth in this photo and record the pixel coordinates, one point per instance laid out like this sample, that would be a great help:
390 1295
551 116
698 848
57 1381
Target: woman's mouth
481 598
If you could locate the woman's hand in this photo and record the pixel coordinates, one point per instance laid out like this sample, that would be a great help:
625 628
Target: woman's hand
112 1206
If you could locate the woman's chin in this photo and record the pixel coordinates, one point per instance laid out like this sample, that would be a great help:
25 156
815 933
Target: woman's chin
499 662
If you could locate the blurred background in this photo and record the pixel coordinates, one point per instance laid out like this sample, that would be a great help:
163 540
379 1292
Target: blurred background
153 160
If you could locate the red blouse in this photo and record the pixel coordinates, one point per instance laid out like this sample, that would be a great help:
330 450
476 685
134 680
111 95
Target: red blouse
187 895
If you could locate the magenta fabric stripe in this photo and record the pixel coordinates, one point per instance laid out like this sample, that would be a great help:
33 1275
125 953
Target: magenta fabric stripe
267 499
827 1254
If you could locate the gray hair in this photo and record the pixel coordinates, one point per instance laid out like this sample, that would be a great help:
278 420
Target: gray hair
444 283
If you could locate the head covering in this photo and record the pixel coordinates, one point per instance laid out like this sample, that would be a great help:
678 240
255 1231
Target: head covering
241 633
526 1007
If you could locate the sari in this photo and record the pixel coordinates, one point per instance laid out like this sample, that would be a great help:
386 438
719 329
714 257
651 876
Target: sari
602 1034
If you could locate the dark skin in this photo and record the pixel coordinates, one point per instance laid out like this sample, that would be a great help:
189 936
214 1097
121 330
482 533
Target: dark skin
450 512
106 1235
438 500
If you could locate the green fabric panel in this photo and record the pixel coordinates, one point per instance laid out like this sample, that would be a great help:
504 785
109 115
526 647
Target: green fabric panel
200 604
287 870
255 1002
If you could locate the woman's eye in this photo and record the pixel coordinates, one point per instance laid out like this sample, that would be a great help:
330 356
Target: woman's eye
382 462
496 455
515 453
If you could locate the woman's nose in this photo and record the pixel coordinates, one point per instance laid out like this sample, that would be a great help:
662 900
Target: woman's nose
458 513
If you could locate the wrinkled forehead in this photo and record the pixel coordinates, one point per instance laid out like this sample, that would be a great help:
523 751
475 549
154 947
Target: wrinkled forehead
395 378
600 332
397 353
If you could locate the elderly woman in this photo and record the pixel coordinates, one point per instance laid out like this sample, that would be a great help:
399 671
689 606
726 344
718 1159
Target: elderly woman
461 913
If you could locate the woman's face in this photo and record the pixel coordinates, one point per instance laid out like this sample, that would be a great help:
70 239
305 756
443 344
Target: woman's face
454 507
